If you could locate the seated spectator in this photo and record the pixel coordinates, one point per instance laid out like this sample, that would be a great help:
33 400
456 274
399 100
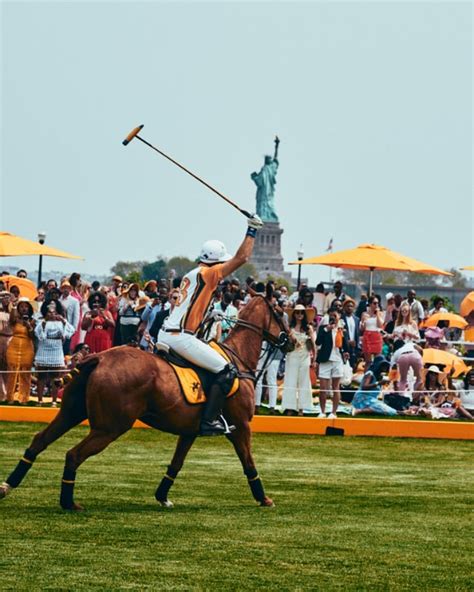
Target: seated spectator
297 394
97 322
371 325
466 394
366 400
49 359
434 337
333 351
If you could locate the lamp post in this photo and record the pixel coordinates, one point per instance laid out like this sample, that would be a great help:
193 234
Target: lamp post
41 239
300 255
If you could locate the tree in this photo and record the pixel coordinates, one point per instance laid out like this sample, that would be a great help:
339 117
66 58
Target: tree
156 270
247 270
181 265
126 268
457 280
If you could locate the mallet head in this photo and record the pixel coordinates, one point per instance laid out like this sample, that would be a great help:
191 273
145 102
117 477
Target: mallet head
132 134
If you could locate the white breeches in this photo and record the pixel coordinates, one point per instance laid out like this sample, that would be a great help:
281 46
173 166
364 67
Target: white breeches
194 350
272 372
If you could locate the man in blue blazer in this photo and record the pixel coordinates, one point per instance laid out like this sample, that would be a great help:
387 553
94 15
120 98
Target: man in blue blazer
352 327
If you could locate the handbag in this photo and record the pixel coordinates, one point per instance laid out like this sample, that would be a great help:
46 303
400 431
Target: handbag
347 374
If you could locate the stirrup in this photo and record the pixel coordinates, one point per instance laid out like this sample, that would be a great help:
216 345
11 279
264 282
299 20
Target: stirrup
228 428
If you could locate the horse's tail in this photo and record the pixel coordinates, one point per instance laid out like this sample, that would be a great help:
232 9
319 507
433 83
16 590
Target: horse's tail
76 381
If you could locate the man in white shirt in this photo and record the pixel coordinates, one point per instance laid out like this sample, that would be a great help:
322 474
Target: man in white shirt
417 312
71 310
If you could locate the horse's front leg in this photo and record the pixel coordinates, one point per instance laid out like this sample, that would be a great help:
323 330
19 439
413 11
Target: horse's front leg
182 448
241 439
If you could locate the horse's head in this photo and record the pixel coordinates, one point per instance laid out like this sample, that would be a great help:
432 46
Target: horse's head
264 317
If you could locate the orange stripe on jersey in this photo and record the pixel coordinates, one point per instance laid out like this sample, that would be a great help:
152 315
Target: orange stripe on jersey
207 281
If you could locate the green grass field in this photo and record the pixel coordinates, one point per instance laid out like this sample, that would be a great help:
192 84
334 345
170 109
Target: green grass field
351 514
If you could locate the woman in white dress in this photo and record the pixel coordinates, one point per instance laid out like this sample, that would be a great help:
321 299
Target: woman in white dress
297 394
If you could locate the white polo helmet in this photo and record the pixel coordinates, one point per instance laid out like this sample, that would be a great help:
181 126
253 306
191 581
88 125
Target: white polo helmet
213 251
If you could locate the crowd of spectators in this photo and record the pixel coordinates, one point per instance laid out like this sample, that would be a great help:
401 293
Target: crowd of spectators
368 354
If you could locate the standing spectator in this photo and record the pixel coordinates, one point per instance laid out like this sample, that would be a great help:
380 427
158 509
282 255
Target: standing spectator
21 273
71 310
366 399
20 352
271 374
371 325
128 314
405 328
352 326
76 292
284 294
5 336
50 284
14 295
49 359
297 387
438 306
417 312
362 306
38 301
319 298
333 351
151 289
162 314
96 323
229 314
337 294
406 356
389 308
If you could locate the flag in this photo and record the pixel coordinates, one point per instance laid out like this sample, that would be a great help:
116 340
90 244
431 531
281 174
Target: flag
329 246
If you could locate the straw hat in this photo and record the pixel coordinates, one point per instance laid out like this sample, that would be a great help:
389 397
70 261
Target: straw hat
27 300
117 278
142 301
309 312
434 369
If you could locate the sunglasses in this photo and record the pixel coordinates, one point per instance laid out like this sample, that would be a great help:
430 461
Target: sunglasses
299 312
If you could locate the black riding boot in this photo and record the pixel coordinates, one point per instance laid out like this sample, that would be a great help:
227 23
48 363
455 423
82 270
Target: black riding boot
211 422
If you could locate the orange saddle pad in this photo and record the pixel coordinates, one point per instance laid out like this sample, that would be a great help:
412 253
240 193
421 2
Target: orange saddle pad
191 383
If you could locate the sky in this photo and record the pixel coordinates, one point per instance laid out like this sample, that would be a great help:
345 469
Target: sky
372 102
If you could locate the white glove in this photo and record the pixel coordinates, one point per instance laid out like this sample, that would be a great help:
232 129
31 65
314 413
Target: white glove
254 222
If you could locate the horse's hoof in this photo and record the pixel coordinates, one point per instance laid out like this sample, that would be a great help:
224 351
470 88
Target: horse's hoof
267 503
166 503
4 490
75 508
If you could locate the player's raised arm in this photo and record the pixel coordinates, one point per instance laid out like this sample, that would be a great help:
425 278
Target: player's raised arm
245 250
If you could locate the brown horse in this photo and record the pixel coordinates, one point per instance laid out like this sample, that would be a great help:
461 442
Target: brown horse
116 387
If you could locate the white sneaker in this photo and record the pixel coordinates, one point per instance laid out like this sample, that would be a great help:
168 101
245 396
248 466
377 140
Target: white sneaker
332 416
322 416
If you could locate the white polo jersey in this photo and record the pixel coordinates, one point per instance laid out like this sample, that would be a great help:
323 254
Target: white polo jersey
195 296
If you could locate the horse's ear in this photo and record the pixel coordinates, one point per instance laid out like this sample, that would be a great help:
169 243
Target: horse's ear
269 291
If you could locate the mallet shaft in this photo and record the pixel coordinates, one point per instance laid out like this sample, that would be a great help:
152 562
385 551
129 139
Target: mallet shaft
229 201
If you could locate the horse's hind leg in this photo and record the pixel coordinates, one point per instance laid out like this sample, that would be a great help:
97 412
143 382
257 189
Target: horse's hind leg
182 448
63 422
96 441
241 440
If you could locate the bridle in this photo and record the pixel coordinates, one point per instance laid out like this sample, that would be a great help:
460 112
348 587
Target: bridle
274 343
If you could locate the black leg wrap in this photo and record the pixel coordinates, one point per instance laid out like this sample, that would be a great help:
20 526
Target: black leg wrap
67 489
17 476
161 493
256 485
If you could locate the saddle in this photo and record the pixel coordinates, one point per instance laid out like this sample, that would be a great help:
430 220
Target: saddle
193 380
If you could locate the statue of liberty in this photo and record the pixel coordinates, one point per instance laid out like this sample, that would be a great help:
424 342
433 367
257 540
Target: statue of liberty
265 181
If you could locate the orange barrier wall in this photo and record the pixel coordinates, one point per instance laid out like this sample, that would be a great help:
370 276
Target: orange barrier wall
396 428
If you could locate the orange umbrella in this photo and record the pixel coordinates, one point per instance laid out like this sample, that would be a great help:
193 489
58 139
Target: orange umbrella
467 305
372 257
15 246
444 358
26 287
468 267
454 320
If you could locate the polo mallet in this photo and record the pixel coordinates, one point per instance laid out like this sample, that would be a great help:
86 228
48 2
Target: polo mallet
134 134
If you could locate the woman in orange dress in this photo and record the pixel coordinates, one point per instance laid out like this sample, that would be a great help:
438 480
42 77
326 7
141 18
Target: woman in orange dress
20 352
